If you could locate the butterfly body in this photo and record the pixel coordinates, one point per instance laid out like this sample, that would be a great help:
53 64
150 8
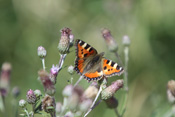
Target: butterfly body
91 65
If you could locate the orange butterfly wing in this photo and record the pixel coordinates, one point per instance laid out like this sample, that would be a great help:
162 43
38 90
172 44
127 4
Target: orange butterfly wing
111 68
83 50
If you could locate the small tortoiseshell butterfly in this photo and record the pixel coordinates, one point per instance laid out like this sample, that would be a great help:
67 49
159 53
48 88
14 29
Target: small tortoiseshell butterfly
93 66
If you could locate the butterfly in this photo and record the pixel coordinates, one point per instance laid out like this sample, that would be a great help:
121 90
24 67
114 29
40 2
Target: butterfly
91 65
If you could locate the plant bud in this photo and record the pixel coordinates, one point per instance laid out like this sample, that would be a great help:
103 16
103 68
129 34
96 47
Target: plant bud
22 103
42 52
67 91
31 97
49 87
71 69
112 102
110 90
126 41
64 43
37 93
48 104
111 43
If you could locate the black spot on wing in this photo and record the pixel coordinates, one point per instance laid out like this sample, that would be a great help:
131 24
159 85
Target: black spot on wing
85 55
90 49
105 68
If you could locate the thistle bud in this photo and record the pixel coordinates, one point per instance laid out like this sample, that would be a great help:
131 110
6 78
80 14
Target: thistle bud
64 43
71 69
53 73
48 104
126 41
15 92
171 91
110 90
22 103
112 102
5 78
37 94
31 97
42 52
111 43
91 91
67 91
47 83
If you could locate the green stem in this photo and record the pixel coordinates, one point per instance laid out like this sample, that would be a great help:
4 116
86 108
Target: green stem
27 113
126 52
116 112
43 63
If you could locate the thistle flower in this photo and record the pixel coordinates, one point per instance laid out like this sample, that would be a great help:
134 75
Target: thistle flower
47 83
112 102
31 97
5 78
111 43
48 104
65 43
126 41
15 92
22 103
53 73
110 90
171 91
42 52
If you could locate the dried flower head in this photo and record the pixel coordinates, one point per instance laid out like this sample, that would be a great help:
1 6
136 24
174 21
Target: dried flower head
22 103
48 104
42 52
112 102
53 73
5 78
126 41
111 43
110 90
31 97
47 83
64 43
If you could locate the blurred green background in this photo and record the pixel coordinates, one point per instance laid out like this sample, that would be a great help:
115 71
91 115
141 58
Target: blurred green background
150 24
